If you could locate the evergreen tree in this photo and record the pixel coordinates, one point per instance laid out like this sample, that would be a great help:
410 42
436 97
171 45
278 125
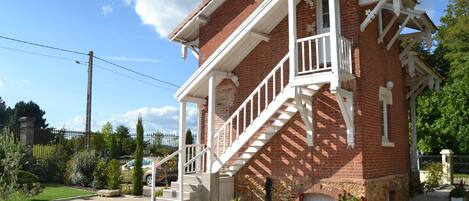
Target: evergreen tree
137 177
29 109
3 113
189 138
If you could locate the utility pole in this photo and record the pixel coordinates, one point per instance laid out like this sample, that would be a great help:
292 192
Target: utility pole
88 99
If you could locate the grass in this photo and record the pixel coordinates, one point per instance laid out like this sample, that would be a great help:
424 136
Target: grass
461 176
52 192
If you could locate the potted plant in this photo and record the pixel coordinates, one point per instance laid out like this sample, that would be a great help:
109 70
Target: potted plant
458 193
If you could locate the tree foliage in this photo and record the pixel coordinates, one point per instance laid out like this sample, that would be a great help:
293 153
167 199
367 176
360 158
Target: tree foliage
189 138
443 116
137 177
29 109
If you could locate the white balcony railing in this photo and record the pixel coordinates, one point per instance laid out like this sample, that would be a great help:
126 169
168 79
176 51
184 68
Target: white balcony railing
314 54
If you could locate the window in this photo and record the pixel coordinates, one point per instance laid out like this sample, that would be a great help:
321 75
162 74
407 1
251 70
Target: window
385 98
325 14
391 196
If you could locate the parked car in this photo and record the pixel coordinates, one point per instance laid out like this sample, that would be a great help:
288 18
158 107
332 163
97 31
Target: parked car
162 173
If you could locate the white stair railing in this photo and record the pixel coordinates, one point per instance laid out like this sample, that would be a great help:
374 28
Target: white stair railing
252 107
194 162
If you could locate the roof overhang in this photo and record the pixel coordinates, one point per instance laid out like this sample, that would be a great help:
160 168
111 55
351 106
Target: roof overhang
236 47
188 30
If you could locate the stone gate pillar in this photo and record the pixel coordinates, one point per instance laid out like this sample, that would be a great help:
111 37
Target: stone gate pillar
27 135
447 162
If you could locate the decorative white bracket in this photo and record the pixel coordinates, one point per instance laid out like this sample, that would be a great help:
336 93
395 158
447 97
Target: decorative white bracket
304 104
345 101
193 46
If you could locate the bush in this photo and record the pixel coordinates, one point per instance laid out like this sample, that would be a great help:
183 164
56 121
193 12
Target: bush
346 196
82 168
113 174
51 167
99 175
434 175
459 191
12 178
137 177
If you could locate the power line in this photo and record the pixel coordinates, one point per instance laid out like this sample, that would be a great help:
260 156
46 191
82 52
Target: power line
84 63
133 78
44 46
138 73
81 53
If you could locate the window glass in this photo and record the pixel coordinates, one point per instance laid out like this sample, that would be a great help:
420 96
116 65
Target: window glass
325 14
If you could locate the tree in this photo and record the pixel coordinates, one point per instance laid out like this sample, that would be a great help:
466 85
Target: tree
110 140
137 177
189 138
29 109
3 113
122 134
443 116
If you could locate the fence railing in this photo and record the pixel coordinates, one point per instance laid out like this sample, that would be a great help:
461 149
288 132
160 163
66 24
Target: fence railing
45 141
314 54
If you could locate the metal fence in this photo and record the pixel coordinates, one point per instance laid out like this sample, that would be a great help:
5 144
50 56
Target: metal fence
461 164
48 141
424 160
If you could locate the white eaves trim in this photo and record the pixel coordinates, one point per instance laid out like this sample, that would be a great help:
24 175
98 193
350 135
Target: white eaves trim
194 21
242 31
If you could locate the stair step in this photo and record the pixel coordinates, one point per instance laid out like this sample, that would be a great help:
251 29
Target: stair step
265 136
192 179
251 150
308 91
169 193
290 104
169 199
187 187
289 113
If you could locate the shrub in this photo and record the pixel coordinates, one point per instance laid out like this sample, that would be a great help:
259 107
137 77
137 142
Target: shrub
113 174
346 196
159 193
434 175
137 177
82 168
12 178
459 191
99 175
51 167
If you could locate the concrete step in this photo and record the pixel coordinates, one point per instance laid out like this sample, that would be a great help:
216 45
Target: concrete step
193 179
170 193
187 187
169 199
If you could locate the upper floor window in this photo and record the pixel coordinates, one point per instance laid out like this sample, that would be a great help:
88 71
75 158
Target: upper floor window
325 14
385 98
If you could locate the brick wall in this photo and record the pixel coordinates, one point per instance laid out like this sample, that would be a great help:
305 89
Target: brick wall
286 157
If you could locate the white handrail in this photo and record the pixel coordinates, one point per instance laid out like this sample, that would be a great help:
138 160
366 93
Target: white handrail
249 105
313 37
153 170
345 64
314 54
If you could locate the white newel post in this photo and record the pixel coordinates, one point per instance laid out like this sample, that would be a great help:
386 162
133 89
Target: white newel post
182 147
334 31
413 146
292 42
447 161
211 120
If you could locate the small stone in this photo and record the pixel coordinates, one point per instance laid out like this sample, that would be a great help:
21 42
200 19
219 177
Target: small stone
109 193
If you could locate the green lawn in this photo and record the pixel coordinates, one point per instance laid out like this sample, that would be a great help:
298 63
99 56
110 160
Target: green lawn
52 192
461 176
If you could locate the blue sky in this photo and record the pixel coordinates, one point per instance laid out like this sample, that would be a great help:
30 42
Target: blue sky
128 32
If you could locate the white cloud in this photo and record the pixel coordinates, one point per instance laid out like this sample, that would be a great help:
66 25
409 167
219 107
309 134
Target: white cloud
3 81
163 15
165 119
107 9
27 82
146 60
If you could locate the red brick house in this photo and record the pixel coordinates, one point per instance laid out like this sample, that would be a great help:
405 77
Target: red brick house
301 99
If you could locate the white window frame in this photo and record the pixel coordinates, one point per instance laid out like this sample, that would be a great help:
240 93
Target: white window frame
385 96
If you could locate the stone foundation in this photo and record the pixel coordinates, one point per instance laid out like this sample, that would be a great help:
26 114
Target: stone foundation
251 188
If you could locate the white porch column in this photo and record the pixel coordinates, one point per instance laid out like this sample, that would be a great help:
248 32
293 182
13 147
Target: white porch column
211 120
334 16
413 146
182 147
292 39
198 164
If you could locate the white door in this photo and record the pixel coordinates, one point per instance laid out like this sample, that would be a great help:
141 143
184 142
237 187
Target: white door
323 26
318 197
